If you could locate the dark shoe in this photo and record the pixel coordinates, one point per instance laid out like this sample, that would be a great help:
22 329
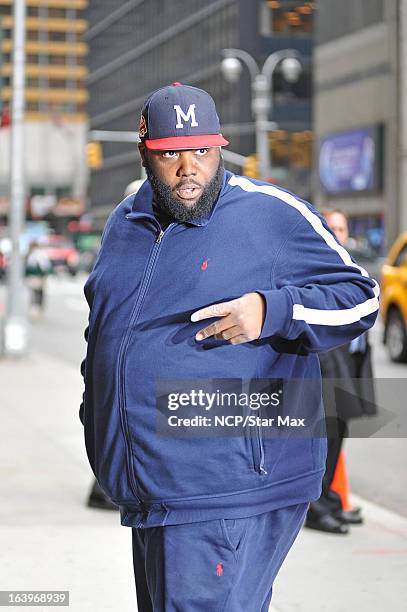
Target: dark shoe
349 517
326 523
332 500
97 499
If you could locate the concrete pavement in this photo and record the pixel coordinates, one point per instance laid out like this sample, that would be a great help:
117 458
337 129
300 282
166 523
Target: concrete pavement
50 540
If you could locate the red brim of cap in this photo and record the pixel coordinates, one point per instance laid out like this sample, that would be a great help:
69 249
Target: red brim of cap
186 142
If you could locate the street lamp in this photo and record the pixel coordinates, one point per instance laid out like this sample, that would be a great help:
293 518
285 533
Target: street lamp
262 90
15 329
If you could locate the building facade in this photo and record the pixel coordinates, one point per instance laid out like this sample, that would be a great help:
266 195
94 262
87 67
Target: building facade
56 97
142 45
359 115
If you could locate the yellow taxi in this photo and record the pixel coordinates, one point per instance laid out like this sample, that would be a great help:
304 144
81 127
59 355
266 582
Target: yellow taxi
393 302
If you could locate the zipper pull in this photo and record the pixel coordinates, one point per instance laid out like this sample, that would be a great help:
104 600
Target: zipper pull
159 237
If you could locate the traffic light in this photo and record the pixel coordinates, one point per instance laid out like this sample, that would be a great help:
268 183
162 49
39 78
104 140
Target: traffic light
251 167
94 155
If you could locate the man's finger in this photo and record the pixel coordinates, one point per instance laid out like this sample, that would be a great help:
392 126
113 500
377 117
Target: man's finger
229 333
214 310
238 339
214 329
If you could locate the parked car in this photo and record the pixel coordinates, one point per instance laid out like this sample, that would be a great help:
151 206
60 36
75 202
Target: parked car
61 252
393 303
5 248
3 264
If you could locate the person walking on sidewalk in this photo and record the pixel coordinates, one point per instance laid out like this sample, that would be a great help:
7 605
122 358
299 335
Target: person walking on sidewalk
37 269
351 363
205 278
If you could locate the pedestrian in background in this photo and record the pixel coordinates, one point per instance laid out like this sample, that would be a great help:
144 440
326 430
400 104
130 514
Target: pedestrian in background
352 364
37 269
207 276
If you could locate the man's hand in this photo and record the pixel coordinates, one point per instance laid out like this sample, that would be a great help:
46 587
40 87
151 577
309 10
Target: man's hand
241 319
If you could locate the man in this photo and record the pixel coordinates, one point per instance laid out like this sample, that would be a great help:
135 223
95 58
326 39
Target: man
351 363
205 279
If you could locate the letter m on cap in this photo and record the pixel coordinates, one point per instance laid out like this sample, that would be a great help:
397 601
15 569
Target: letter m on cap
188 116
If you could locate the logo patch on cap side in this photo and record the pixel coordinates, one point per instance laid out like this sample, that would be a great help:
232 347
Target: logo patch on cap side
143 126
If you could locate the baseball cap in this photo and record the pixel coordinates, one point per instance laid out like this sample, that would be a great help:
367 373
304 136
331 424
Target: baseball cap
180 117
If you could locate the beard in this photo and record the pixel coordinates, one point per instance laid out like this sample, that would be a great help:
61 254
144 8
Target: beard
174 208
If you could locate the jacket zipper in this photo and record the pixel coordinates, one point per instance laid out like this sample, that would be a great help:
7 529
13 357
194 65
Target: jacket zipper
123 351
262 470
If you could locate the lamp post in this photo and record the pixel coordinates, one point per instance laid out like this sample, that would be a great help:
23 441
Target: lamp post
15 332
262 90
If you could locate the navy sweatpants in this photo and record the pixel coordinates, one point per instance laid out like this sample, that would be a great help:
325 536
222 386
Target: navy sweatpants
221 565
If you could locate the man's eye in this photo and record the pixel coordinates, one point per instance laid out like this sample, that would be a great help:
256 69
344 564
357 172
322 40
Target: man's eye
169 154
201 151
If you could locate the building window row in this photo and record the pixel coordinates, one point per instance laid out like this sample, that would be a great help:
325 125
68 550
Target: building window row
52 108
34 82
41 11
58 60
47 35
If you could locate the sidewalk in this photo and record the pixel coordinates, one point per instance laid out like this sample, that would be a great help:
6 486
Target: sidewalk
50 540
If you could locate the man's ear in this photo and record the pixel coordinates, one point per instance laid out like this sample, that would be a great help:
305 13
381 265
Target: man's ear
143 153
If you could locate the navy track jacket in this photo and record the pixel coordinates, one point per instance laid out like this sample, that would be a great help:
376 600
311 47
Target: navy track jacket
143 288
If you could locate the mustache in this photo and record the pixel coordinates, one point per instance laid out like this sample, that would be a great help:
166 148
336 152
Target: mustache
187 184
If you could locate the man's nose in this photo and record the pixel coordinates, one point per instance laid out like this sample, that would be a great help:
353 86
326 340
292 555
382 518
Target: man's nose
187 165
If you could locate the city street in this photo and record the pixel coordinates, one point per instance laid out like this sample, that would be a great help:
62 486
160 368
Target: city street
222 145
50 540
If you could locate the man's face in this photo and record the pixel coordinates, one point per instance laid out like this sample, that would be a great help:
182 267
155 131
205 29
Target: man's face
339 225
185 183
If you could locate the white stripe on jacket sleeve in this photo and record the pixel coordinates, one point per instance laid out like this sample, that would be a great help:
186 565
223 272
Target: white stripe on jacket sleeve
315 316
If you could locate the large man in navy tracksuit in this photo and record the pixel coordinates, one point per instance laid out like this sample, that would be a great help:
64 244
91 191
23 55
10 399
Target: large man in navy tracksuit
205 276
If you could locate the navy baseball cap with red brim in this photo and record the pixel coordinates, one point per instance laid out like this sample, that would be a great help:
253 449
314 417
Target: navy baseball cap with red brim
180 117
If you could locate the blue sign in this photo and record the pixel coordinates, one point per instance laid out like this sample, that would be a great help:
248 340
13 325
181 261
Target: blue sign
349 161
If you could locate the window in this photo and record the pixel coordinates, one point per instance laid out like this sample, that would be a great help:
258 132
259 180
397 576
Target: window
401 258
57 59
58 83
32 82
37 190
291 150
63 192
58 36
32 107
286 17
58 13
32 35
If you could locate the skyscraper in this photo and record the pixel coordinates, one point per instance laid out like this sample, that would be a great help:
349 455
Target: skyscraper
56 97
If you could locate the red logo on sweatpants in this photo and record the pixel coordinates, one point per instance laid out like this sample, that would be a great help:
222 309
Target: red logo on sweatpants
204 264
219 569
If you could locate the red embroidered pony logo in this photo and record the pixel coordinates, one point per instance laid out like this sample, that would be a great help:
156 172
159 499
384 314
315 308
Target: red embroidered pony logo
204 265
219 569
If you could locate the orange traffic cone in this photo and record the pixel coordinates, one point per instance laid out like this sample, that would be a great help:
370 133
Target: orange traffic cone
340 482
